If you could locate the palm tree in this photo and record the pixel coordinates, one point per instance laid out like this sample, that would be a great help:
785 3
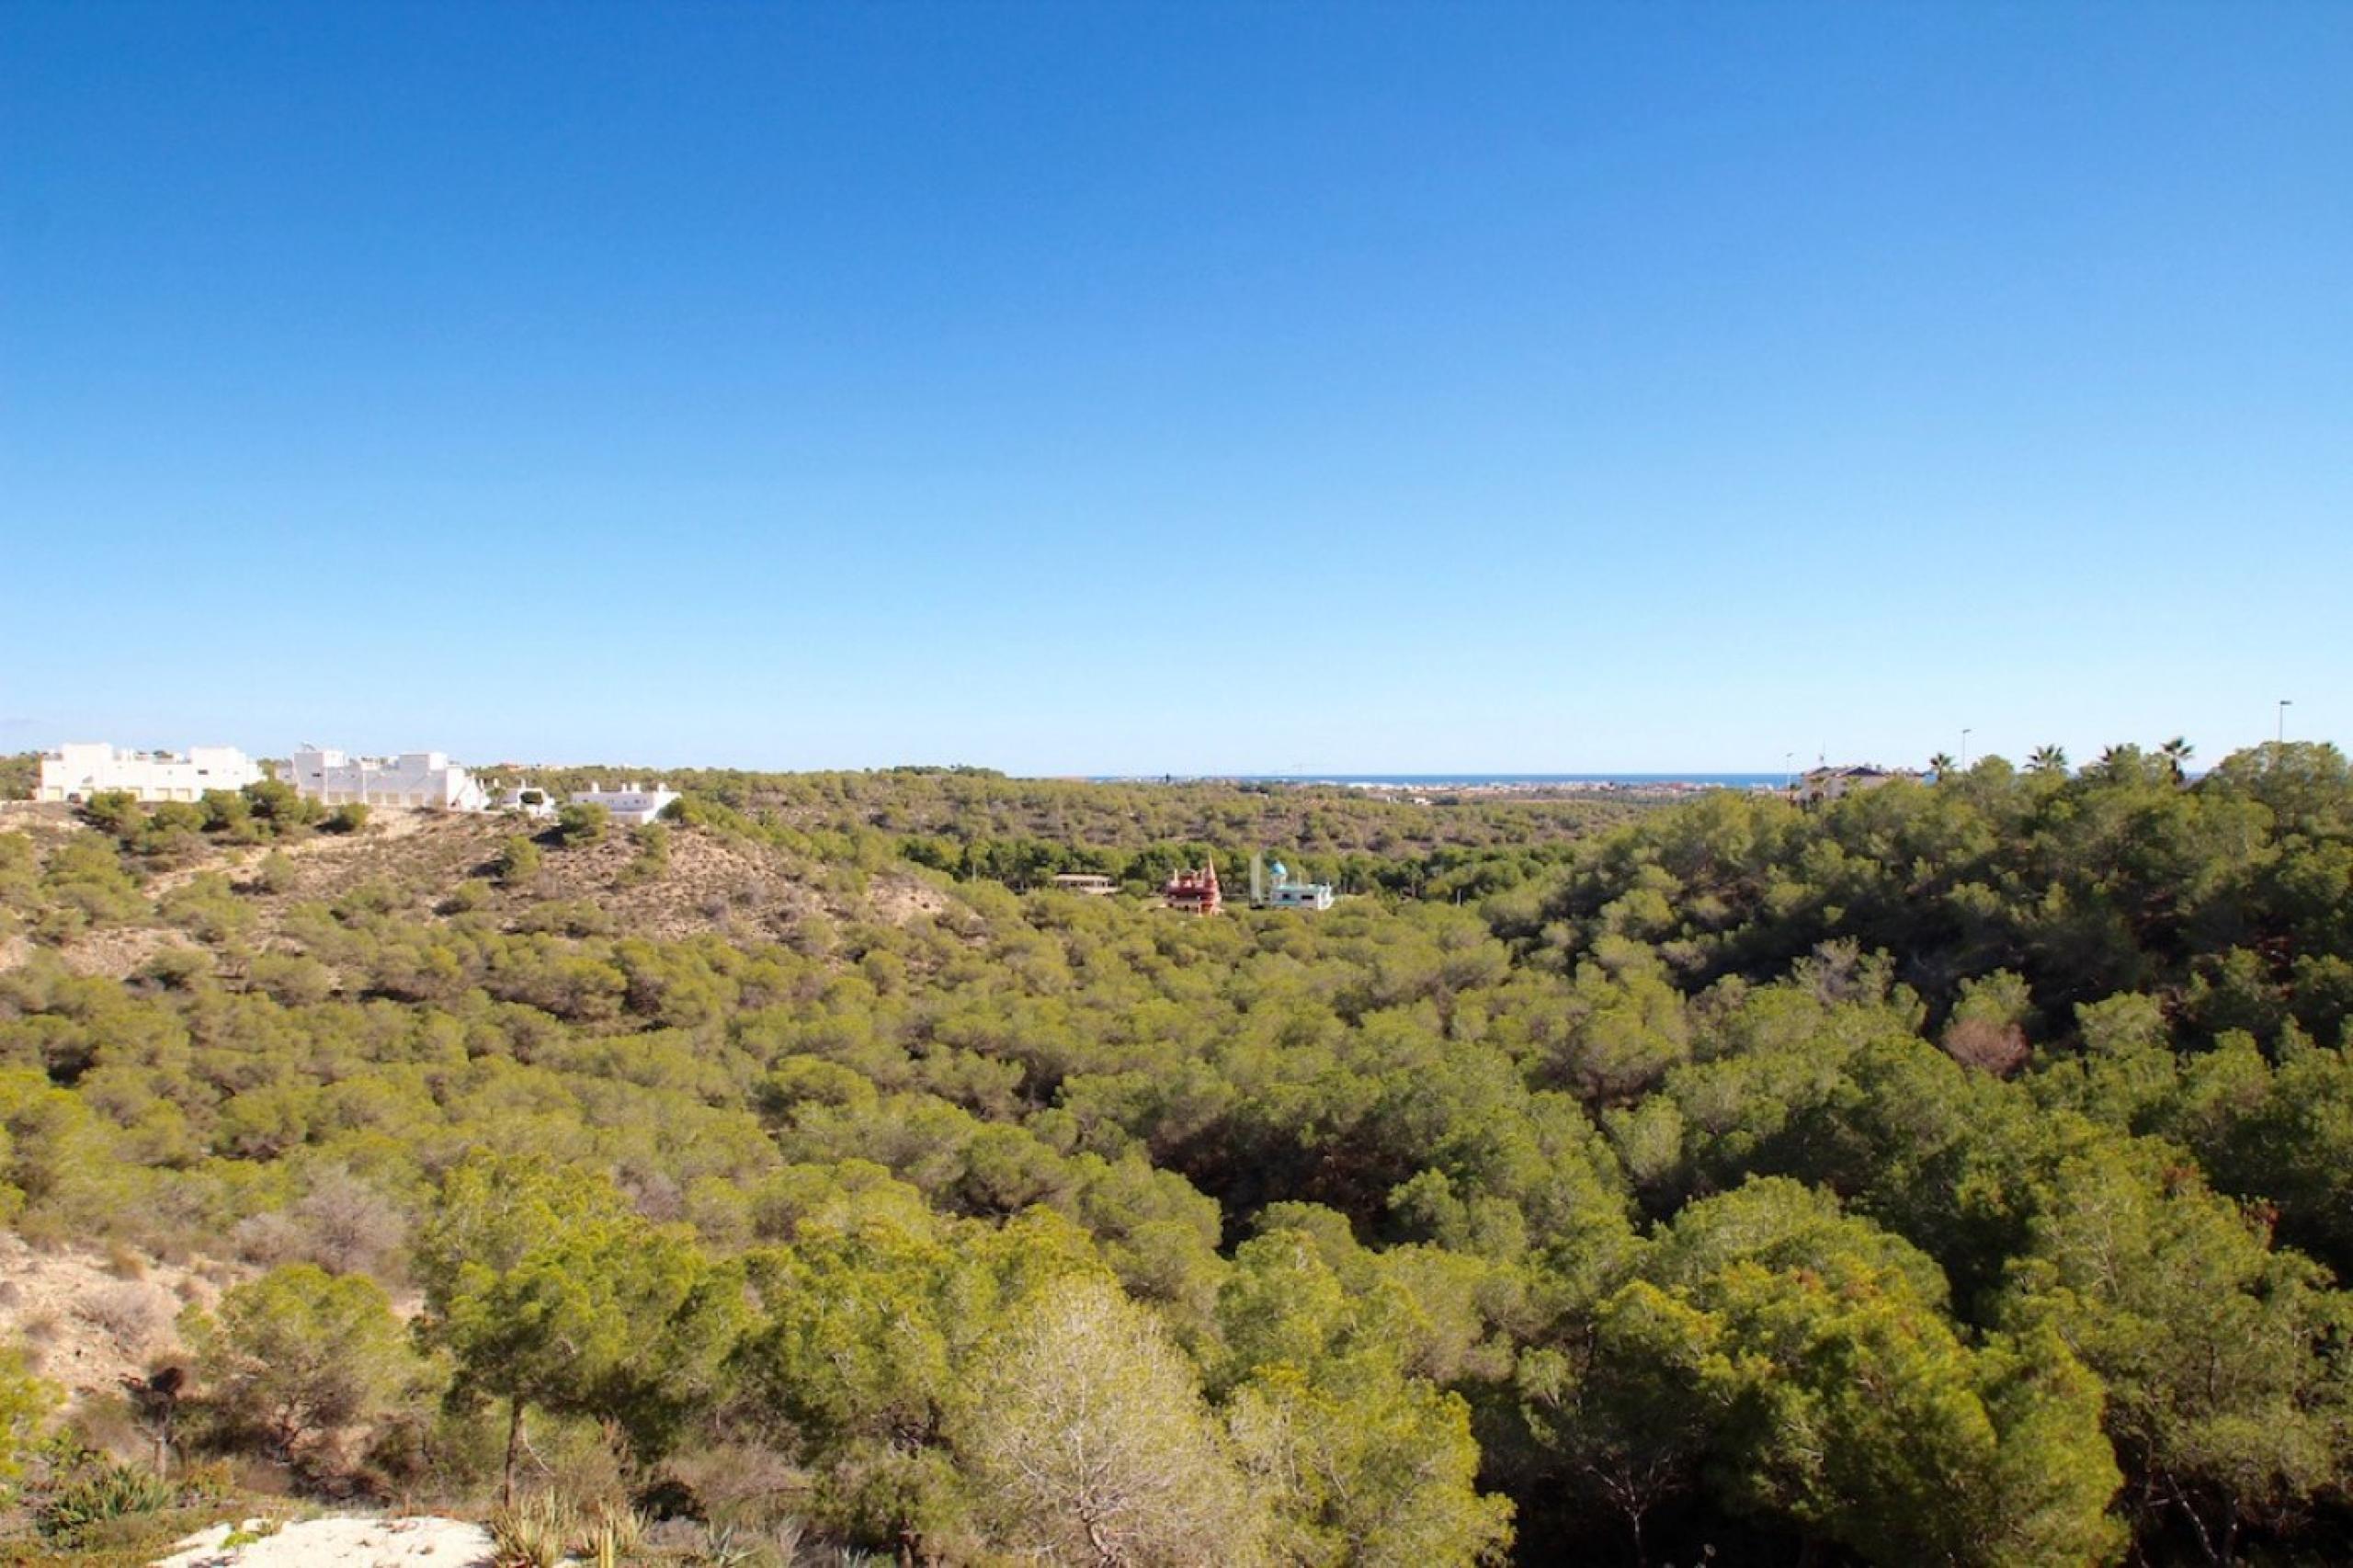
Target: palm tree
2177 753
1940 764
2048 759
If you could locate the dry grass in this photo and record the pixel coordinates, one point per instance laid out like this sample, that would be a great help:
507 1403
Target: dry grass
89 1329
133 1315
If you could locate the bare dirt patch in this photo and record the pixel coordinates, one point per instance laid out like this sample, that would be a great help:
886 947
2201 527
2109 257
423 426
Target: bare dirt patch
89 1319
901 899
118 951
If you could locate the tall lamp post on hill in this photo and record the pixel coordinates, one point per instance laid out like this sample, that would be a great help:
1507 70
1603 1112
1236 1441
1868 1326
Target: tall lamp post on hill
2285 703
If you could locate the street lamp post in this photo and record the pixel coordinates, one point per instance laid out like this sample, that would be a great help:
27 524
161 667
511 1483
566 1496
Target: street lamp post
2285 703
1965 734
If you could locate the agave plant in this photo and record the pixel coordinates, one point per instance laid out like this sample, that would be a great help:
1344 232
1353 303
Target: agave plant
724 1546
615 1536
534 1533
784 1539
720 1548
91 1488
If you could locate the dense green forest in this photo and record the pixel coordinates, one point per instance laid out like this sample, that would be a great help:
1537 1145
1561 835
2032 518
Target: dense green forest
1955 1173
974 823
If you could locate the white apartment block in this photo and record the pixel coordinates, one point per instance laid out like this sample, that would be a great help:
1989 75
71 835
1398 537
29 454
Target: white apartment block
415 780
81 769
628 805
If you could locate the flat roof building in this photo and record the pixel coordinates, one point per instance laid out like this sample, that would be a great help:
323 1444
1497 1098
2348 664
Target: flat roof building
1283 893
83 768
628 805
1824 784
415 781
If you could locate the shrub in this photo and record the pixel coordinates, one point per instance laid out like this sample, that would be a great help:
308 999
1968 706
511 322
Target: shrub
276 874
131 1315
518 863
229 814
652 856
467 896
299 1352
568 918
1987 1045
345 1225
114 811
295 980
176 969
375 896
581 821
208 906
24 1403
284 807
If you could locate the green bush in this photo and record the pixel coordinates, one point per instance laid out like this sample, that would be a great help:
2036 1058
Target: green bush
276 874
299 1352
114 811
24 1403
518 863
581 821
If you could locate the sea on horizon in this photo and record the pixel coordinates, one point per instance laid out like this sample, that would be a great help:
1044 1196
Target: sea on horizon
1478 780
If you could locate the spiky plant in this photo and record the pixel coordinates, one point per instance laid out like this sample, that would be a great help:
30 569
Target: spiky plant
534 1533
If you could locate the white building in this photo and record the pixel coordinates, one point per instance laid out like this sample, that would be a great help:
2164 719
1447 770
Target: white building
528 800
79 770
421 780
1824 784
1283 893
628 805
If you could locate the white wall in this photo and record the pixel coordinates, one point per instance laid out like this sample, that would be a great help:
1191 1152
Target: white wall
83 768
628 805
418 780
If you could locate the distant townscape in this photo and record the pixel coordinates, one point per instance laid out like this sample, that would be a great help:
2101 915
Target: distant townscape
415 781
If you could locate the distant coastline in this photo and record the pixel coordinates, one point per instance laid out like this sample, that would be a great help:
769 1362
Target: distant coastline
1631 781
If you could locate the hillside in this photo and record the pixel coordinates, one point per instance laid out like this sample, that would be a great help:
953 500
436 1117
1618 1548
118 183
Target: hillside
1688 1193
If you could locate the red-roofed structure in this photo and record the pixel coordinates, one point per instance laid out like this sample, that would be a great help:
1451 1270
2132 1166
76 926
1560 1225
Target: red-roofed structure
1194 891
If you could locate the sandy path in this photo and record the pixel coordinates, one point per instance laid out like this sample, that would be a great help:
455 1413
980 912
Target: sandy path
343 1543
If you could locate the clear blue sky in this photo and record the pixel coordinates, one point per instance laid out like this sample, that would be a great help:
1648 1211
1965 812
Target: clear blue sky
1120 388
